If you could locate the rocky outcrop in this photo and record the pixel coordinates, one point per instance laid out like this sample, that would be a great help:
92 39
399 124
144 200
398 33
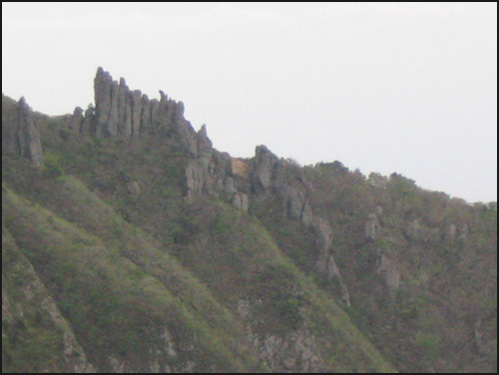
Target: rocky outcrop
297 207
454 231
390 273
241 201
133 188
220 171
210 173
324 239
195 180
87 127
372 227
20 134
463 231
266 176
128 114
296 352
76 121
204 144
118 110
326 264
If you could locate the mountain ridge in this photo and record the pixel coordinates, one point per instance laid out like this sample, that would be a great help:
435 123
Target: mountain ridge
279 267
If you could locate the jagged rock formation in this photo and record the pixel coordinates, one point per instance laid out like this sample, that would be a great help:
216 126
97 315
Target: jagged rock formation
130 115
265 172
131 252
297 207
20 135
118 110
267 176
76 120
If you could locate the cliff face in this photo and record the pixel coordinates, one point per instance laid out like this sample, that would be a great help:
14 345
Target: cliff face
130 244
126 114
20 135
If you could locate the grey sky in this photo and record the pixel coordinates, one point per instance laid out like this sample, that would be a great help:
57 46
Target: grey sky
392 87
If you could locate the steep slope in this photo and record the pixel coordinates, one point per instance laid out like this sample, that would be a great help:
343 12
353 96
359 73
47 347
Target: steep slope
156 252
34 326
124 317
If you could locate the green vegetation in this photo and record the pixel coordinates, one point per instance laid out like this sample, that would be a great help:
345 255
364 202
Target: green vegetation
107 267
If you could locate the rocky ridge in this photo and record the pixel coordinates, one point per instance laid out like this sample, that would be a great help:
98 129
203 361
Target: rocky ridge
209 171
131 116
251 184
267 176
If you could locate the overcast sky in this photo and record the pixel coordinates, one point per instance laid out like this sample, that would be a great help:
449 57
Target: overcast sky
392 87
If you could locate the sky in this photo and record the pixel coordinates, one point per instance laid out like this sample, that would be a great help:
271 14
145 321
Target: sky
383 87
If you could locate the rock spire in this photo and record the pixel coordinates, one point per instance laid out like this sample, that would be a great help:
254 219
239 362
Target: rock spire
20 134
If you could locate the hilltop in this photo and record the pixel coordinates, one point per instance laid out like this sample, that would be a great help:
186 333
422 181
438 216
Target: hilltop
130 244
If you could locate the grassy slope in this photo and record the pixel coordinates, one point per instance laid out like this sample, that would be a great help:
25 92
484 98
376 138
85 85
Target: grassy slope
115 307
196 262
114 258
83 222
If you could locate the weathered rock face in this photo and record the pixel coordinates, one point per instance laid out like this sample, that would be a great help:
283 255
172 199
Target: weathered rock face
241 201
211 173
10 143
76 120
20 135
265 173
195 179
87 127
324 239
118 111
133 188
266 177
388 270
463 231
28 135
297 206
128 114
372 227
456 231
204 144
326 264
296 352
220 170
